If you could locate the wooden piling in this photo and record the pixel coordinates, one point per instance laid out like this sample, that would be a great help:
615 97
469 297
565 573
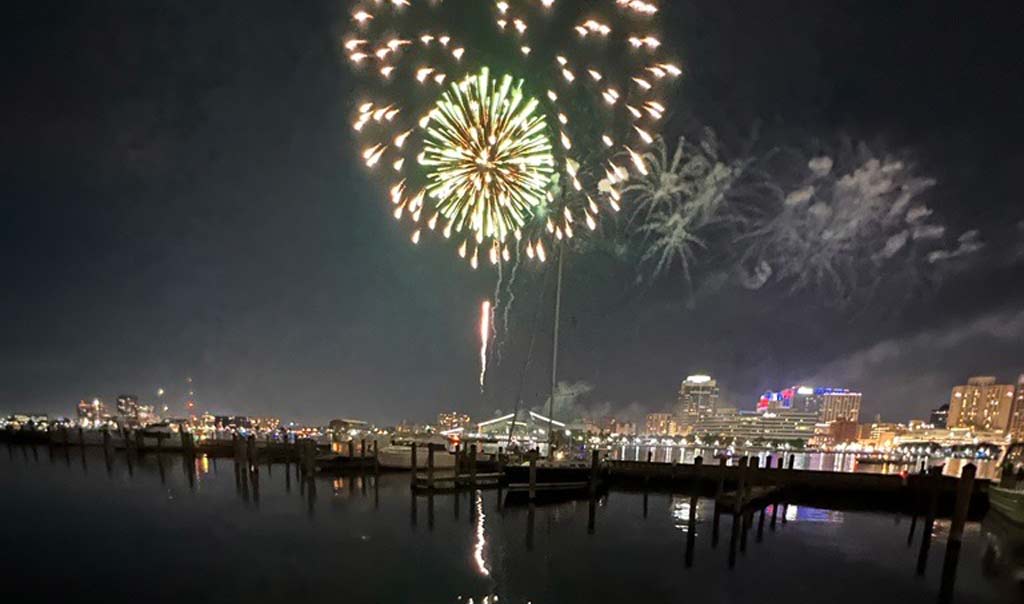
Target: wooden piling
362 450
691 531
430 467
595 468
739 517
934 478
785 506
533 475
760 525
250 451
412 465
719 489
956 532
472 466
775 503
376 462
351 448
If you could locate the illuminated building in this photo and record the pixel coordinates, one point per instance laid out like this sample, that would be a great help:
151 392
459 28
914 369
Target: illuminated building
128 407
527 426
843 431
661 424
265 424
839 404
452 420
621 427
776 426
698 397
830 404
1017 415
91 411
880 434
940 416
981 404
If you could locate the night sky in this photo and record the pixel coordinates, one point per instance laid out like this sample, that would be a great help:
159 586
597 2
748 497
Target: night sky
181 198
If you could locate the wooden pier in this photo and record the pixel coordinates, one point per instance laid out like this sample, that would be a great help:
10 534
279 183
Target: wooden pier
829 490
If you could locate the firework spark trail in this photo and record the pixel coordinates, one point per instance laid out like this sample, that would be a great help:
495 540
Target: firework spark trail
497 305
485 337
500 344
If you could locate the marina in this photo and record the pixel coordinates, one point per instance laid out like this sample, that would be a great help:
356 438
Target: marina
225 536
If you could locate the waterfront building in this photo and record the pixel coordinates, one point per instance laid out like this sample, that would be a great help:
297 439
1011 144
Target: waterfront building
128 408
28 421
1017 415
794 398
452 420
661 424
839 404
830 404
880 434
843 431
91 412
266 424
622 427
525 426
940 416
770 426
982 404
698 397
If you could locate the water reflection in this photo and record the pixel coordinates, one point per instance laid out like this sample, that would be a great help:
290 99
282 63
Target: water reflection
568 557
481 539
831 462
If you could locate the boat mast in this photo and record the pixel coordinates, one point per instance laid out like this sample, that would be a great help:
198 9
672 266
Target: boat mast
554 350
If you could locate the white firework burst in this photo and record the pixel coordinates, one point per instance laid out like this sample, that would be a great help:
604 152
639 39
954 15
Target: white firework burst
841 221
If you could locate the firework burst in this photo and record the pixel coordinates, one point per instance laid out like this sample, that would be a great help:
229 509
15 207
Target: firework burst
508 142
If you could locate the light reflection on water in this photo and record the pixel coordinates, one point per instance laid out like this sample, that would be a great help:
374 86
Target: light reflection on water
266 536
832 462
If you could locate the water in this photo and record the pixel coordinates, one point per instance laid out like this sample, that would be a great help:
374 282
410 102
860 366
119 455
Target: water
73 526
830 462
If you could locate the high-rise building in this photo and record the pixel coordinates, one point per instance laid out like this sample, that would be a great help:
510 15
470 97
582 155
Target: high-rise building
981 404
830 404
128 407
91 411
698 397
940 416
452 420
1017 415
839 404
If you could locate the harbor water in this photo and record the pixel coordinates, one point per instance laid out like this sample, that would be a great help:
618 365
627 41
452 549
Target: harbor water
159 529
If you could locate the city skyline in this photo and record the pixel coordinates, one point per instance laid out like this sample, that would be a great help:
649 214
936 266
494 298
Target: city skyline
457 415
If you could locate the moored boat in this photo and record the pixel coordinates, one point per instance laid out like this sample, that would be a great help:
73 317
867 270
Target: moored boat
398 455
1008 502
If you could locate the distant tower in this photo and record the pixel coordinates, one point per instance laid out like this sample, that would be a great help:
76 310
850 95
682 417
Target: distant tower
940 416
698 397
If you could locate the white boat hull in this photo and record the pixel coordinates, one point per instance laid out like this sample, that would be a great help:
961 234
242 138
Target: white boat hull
400 458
